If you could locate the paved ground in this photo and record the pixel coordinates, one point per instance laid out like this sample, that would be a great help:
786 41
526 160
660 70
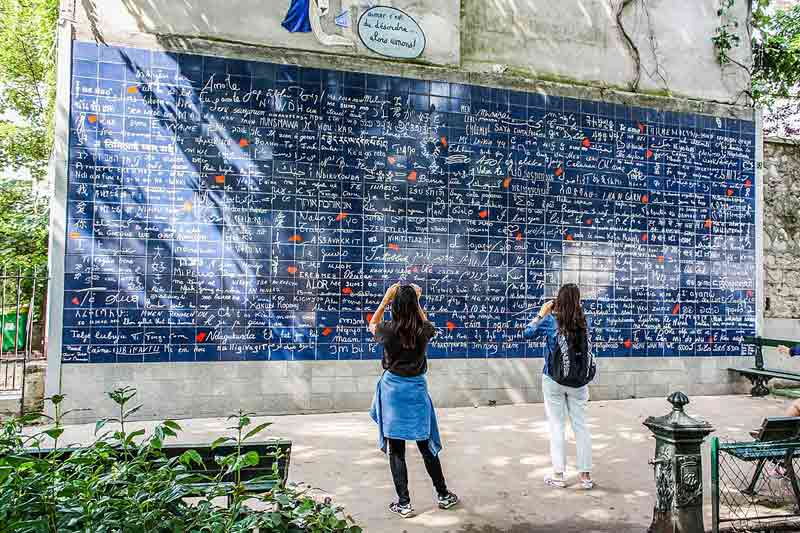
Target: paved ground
495 459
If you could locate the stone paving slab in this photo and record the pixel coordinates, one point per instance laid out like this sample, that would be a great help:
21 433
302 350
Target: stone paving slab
495 458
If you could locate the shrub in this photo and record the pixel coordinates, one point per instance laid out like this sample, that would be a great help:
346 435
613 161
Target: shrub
123 482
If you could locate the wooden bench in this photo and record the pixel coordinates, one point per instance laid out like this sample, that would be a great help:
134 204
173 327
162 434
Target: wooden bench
760 376
777 432
776 442
272 468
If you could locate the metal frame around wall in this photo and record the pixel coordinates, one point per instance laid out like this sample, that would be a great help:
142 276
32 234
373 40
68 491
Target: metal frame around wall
58 175
759 177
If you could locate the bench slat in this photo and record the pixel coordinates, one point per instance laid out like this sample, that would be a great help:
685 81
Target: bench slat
752 454
779 374
773 343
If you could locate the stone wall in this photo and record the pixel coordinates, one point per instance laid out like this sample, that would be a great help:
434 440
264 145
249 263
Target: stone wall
782 228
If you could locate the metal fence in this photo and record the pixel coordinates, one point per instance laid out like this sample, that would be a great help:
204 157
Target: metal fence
755 486
22 301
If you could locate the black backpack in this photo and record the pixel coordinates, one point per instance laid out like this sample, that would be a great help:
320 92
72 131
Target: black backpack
572 363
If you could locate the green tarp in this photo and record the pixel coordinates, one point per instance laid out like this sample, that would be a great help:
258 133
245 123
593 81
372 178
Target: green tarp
13 324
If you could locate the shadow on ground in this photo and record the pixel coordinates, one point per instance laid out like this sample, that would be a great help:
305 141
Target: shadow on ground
564 526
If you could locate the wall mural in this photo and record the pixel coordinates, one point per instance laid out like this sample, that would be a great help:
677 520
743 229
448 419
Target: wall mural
224 209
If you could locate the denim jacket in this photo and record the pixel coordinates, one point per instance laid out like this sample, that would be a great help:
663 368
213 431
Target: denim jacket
546 327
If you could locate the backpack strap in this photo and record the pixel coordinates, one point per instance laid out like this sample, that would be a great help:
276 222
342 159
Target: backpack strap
563 344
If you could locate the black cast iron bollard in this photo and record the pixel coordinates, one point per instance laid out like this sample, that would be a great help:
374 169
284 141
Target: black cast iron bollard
678 469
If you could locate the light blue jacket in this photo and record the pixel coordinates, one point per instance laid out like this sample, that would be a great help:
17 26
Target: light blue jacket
547 327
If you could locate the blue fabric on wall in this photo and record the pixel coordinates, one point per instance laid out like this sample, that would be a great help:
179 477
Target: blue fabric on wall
403 409
297 17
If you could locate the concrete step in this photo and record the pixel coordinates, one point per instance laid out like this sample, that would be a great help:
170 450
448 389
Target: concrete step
9 404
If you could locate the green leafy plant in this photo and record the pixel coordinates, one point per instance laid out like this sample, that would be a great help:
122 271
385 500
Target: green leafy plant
726 37
123 482
775 69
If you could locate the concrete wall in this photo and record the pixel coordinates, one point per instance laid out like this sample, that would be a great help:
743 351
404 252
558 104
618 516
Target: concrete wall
658 46
475 47
654 46
183 390
257 22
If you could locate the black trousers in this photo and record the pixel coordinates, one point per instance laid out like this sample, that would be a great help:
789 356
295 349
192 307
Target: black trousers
397 462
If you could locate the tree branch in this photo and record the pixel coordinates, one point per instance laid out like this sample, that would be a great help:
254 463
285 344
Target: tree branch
653 47
637 59
33 73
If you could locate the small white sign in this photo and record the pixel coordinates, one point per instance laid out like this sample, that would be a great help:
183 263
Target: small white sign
390 32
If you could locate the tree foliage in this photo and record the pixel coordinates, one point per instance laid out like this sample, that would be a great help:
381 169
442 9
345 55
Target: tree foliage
23 217
23 246
776 54
27 97
27 83
775 69
776 72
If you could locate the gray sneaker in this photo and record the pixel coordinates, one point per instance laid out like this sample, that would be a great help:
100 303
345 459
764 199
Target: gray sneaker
403 510
448 500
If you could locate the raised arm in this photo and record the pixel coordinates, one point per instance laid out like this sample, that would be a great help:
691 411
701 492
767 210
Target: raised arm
534 328
377 317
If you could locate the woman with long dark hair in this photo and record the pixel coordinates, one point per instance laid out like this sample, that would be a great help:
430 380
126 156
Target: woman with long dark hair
402 407
568 359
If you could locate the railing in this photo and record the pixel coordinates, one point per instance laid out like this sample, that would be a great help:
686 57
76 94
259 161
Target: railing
22 295
754 486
